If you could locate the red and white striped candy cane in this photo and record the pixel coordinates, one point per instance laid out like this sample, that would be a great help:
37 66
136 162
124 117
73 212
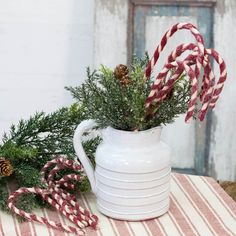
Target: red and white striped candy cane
53 188
176 53
214 90
223 75
58 198
164 89
33 217
158 84
167 35
209 77
194 85
199 58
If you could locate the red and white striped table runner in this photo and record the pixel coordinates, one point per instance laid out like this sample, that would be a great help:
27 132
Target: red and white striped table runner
199 206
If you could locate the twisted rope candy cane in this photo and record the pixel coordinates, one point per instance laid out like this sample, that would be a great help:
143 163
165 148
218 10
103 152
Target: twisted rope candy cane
182 66
161 95
93 220
64 208
58 198
84 219
85 216
208 77
158 83
165 89
33 217
160 47
199 58
209 81
223 75
165 38
211 100
207 92
167 35
191 59
169 84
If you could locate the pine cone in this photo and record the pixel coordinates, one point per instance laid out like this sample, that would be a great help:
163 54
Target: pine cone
5 167
121 73
125 80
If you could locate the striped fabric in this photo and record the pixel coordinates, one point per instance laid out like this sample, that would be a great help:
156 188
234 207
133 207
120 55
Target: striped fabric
199 206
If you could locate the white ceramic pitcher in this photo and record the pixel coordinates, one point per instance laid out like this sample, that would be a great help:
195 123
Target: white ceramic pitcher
132 176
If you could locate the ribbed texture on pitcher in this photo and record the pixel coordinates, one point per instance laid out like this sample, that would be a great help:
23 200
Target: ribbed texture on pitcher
132 174
130 196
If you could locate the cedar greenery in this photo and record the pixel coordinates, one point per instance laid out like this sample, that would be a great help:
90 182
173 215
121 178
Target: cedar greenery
33 142
111 102
111 98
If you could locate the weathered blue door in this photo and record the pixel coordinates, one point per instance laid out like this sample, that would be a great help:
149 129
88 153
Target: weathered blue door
150 20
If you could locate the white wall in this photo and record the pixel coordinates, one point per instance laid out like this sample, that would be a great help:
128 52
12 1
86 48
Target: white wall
44 46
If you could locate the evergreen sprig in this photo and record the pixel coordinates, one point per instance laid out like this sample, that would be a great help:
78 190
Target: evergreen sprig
33 142
103 97
111 103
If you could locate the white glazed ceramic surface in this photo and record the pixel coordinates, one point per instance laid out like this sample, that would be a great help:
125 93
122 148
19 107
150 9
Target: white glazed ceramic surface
132 176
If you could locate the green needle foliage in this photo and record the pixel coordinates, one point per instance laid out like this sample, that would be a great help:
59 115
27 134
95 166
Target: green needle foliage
112 98
121 103
33 142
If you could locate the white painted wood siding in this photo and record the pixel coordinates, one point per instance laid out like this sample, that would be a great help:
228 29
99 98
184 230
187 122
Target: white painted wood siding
110 32
223 134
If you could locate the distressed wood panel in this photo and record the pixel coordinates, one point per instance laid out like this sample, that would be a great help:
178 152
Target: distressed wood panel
220 141
110 35
150 23
202 15
192 3
223 135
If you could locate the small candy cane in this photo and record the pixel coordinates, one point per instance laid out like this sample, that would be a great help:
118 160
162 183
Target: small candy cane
58 198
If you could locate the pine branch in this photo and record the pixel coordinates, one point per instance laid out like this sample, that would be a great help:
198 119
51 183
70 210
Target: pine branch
111 103
31 143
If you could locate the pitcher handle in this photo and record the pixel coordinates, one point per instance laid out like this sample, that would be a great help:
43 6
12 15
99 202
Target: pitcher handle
81 155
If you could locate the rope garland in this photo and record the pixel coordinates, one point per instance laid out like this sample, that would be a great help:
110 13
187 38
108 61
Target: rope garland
59 198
